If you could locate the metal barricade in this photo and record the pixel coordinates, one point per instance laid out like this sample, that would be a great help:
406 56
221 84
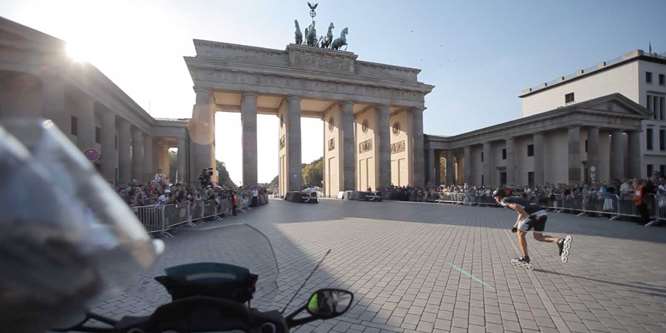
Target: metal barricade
152 217
209 209
175 215
660 207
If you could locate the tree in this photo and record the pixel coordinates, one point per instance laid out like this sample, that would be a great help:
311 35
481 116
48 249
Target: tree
313 173
223 175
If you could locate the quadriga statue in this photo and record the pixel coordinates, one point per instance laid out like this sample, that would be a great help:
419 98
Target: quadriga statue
298 34
342 41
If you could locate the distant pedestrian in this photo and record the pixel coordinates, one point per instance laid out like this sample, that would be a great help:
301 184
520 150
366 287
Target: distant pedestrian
640 200
234 203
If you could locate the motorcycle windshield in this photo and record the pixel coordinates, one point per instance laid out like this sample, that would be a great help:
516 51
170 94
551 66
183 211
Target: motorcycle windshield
236 244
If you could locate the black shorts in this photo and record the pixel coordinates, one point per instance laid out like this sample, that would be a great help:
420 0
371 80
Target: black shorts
534 223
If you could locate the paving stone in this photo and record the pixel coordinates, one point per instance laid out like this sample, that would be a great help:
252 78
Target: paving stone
397 258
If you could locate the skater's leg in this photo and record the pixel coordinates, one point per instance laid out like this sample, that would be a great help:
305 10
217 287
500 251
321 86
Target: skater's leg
544 238
522 243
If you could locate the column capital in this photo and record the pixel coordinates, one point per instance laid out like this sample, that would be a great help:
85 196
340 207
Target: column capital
249 94
201 90
293 98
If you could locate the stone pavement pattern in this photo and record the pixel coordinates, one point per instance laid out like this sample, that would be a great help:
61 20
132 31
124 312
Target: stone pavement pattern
404 260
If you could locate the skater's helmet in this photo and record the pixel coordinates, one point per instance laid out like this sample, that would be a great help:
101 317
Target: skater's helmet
500 192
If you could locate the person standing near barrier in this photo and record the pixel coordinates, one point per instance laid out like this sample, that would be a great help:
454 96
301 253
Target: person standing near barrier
640 200
531 216
234 203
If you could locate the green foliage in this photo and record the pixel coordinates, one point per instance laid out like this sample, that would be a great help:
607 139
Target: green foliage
224 179
313 173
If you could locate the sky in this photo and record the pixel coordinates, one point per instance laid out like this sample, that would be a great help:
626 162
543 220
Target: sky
478 54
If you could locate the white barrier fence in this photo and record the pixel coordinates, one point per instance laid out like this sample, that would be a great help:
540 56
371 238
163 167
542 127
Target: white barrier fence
612 205
162 218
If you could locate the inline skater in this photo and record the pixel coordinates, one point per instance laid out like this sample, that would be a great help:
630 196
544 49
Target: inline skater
531 217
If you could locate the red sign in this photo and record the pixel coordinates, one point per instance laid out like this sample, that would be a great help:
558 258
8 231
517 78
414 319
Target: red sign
91 154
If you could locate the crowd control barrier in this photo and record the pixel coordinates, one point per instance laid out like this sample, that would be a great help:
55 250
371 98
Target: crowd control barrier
613 206
162 218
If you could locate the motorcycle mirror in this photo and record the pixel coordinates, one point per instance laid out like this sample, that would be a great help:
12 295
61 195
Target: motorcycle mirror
329 303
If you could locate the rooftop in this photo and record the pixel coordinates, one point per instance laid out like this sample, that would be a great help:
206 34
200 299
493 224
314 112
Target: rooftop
627 57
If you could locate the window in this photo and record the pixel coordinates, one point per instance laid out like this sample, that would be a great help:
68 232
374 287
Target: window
650 170
481 156
662 139
530 179
98 134
662 81
504 153
569 98
648 77
648 138
648 105
115 143
74 126
482 180
530 150
662 99
662 170
586 146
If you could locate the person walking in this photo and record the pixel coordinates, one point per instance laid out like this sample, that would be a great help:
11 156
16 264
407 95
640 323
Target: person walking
234 203
531 217
640 200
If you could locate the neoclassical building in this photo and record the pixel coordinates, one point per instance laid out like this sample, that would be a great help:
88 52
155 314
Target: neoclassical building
593 141
373 113
121 139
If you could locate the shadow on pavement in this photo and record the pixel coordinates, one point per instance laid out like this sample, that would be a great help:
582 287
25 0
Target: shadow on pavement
653 291
487 217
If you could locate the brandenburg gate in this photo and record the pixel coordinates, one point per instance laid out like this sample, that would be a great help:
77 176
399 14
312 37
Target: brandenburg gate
373 113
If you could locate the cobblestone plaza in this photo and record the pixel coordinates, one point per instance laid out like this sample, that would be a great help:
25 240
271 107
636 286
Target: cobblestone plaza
439 268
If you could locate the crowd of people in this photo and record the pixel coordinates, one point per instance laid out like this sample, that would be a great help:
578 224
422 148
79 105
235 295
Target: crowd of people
634 196
160 191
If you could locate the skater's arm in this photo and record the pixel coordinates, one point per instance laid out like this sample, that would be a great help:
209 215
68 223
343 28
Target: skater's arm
522 214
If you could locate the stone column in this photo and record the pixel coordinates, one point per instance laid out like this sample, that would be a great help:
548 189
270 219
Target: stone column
417 135
437 180
163 159
593 153
487 164
137 154
53 90
383 159
510 162
109 153
617 158
574 155
450 168
180 161
148 158
86 122
634 157
430 163
539 169
202 134
124 161
249 138
293 124
467 165
348 147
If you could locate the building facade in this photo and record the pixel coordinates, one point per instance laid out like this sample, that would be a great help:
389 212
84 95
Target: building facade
638 75
588 142
373 113
39 80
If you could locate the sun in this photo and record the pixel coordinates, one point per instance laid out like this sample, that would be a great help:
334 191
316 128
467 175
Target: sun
77 52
